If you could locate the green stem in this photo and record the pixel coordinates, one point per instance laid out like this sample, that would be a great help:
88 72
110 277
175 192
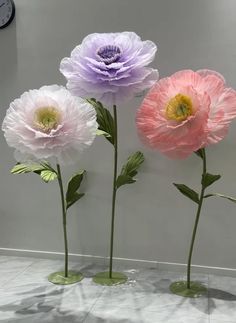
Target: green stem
196 221
63 217
114 190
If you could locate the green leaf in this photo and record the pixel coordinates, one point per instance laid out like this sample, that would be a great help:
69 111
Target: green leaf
209 179
129 170
104 119
102 133
74 183
48 175
74 198
124 179
185 190
200 152
232 199
26 168
44 169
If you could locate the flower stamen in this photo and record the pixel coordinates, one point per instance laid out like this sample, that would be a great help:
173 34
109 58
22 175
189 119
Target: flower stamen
179 108
109 54
47 118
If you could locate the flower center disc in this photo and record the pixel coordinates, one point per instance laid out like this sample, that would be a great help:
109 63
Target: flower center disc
46 118
179 108
109 54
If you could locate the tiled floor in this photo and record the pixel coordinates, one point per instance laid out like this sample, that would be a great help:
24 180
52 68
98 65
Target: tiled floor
26 296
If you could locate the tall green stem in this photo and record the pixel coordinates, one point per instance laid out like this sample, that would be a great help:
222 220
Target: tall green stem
114 189
63 217
196 221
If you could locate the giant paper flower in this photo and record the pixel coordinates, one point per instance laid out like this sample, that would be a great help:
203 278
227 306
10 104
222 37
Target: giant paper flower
110 67
49 122
185 112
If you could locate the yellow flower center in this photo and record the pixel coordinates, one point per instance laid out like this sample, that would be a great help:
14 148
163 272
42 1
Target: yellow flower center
47 118
179 108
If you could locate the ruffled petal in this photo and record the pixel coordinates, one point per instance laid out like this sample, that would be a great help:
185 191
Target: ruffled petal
213 106
75 132
89 75
206 72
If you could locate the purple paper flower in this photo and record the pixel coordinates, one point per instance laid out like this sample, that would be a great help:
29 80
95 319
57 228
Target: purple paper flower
110 67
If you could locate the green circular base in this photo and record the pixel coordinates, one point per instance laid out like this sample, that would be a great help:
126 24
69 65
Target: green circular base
180 288
60 279
104 279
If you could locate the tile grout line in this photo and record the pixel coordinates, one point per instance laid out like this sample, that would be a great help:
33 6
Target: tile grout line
19 273
102 292
93 305
208 299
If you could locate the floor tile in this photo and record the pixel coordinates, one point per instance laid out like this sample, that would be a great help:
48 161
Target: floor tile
48 317
36 273
41 302
26 296
10 267
30 297
151 294
222 298
124 315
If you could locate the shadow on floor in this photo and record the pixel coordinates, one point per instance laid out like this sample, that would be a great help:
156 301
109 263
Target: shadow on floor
97 319
212 295
204 304
32 302
89 270
220 294
67 318
42 304
45 304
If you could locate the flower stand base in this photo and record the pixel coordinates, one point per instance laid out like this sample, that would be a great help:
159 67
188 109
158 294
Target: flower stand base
196 289
60 279
104 279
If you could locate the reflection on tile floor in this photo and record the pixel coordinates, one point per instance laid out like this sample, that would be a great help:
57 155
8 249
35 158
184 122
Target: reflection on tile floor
26 296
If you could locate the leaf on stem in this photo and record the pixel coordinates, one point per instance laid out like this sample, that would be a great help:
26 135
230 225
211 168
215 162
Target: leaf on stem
26 168
129 170
74 198
44 169
74 183
102 133
48 175
232 199
185 190
104 119
209 179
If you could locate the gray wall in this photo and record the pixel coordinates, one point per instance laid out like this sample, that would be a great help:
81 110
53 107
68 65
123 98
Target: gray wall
154 221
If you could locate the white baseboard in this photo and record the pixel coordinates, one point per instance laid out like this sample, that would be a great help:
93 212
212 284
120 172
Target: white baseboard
128 263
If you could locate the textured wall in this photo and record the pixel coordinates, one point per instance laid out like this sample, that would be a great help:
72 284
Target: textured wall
154 221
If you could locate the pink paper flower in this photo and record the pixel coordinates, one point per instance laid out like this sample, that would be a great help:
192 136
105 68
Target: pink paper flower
185 112
49 122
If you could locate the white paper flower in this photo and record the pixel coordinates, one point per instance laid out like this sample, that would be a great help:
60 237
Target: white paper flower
49 122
